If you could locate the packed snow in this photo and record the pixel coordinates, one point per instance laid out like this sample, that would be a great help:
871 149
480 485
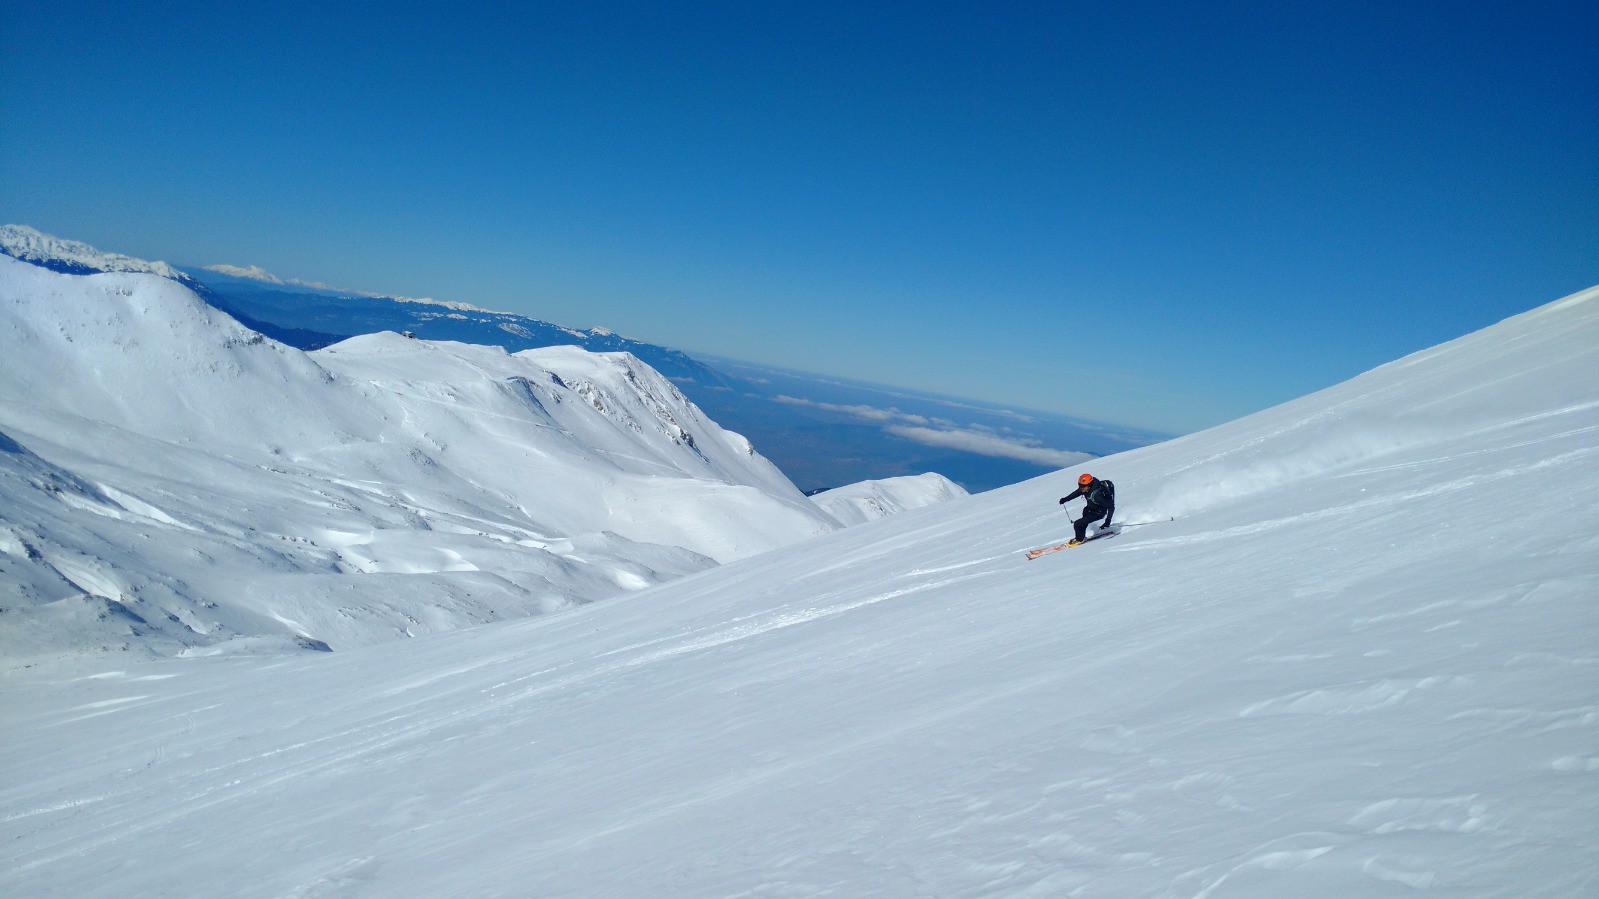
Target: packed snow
171 481
866 501
1360 660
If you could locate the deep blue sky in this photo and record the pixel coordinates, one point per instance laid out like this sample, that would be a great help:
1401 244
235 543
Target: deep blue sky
1162 215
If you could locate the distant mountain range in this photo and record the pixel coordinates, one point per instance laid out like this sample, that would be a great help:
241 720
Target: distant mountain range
320 316
310 317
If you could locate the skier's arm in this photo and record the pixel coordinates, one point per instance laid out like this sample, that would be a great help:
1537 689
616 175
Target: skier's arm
1071 496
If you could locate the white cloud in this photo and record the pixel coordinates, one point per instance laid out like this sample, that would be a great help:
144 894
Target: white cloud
942 432
864 413
987 443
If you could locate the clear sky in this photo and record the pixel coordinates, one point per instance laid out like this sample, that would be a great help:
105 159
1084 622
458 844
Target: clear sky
1156 214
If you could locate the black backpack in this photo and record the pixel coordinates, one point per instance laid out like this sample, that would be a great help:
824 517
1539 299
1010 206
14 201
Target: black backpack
1103 494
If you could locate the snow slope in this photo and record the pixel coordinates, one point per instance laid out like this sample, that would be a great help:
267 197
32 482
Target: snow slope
870 500
1361 661
170 479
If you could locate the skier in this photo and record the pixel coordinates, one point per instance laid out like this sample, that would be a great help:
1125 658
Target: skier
1100 497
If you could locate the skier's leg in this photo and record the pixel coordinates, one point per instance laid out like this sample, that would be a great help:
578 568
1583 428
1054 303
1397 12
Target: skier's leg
1081 527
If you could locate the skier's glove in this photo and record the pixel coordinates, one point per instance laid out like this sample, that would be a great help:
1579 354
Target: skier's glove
1062 501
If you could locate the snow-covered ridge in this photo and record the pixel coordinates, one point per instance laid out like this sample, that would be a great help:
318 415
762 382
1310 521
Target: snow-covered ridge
75 257
173 479
31 245
870 500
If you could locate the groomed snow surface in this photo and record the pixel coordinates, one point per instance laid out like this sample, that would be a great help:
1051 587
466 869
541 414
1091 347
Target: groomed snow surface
1361 661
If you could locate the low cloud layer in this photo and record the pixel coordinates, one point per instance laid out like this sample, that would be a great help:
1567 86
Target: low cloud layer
988 443
946 434
862 412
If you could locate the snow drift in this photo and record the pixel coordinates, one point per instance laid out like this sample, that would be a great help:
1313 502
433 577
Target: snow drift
1360 662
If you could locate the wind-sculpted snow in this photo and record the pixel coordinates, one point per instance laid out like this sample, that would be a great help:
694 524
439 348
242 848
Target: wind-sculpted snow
1366 671
173 481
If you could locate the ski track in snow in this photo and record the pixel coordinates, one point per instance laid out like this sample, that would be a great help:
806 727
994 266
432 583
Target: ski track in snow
1471 482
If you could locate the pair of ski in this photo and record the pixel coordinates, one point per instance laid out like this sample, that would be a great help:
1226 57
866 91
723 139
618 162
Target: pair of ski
1111 531
1046 550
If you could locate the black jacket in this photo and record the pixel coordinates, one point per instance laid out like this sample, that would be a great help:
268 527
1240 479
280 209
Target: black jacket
1100 495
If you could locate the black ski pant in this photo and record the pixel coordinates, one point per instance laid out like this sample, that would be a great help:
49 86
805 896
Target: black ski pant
1092 514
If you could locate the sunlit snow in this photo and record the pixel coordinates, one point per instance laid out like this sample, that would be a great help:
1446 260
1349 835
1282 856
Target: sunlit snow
173 481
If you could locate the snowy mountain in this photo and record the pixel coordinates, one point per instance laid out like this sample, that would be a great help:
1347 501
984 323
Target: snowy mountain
870 500
1359 661
77 258
171 480
822 431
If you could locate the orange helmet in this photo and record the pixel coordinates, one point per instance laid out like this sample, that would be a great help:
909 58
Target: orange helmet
1084 480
